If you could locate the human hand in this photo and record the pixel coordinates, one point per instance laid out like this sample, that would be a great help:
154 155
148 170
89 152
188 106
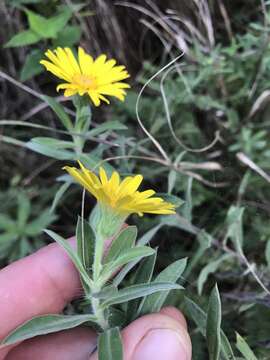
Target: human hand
43 283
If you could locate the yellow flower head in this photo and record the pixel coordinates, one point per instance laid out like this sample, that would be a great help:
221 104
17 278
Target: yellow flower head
123 196
87 76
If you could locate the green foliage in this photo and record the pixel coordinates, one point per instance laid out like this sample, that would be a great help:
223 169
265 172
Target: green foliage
110 346
42 29
21 226
47 324
223 225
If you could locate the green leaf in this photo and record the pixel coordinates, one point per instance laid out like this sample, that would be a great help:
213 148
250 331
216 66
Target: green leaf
72 255
200 318
213 324
24 209
59 111
136 291
145 270
244 348
209 269
187 208
171 274
124 241
108 125
6 222
48 27
52 142
143 275
110 345
31 65
145 239
267 253
23 38
235 227
57 197
46 324
47 150
125 257
85 238
69 36
175 200
36 226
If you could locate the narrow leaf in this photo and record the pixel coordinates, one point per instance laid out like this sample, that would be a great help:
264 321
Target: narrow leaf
143 275
110 345
46 324
145 239
124 241
59 111
199 317
244 348
127 256
52 142
171 274
47 150
208 269
267 253
71 253
60 192
136 291
85 238
213 324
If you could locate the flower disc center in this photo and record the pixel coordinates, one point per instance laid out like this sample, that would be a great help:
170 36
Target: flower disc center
87 82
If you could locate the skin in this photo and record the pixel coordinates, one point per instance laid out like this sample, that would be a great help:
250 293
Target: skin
43 283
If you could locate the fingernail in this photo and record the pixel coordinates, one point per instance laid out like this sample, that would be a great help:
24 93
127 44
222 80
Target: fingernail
160 344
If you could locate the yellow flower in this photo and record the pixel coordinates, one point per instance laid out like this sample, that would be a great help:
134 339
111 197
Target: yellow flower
87 76
123 196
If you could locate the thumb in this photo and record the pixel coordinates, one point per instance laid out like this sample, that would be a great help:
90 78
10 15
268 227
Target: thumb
157 337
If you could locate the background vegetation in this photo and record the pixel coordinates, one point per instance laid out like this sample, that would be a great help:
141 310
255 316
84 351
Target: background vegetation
208 119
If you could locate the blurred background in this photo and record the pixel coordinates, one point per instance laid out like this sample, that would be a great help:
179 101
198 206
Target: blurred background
207 111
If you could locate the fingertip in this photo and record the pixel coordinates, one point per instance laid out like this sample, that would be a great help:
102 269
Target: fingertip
174 314
159 335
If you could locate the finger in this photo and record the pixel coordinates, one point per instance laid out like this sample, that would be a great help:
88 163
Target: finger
74 344
156 336
39 284
174 314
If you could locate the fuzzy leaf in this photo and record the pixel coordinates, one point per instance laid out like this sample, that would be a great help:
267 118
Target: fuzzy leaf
244 348
143 275
46 324
110 345
136 291
145 239
59 111
124 241
47 150
209 269
199 317
125 257
60 192
171 274
71 253
85 243
213 324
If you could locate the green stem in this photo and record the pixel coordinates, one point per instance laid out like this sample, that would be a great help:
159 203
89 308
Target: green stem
97 268
99 313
